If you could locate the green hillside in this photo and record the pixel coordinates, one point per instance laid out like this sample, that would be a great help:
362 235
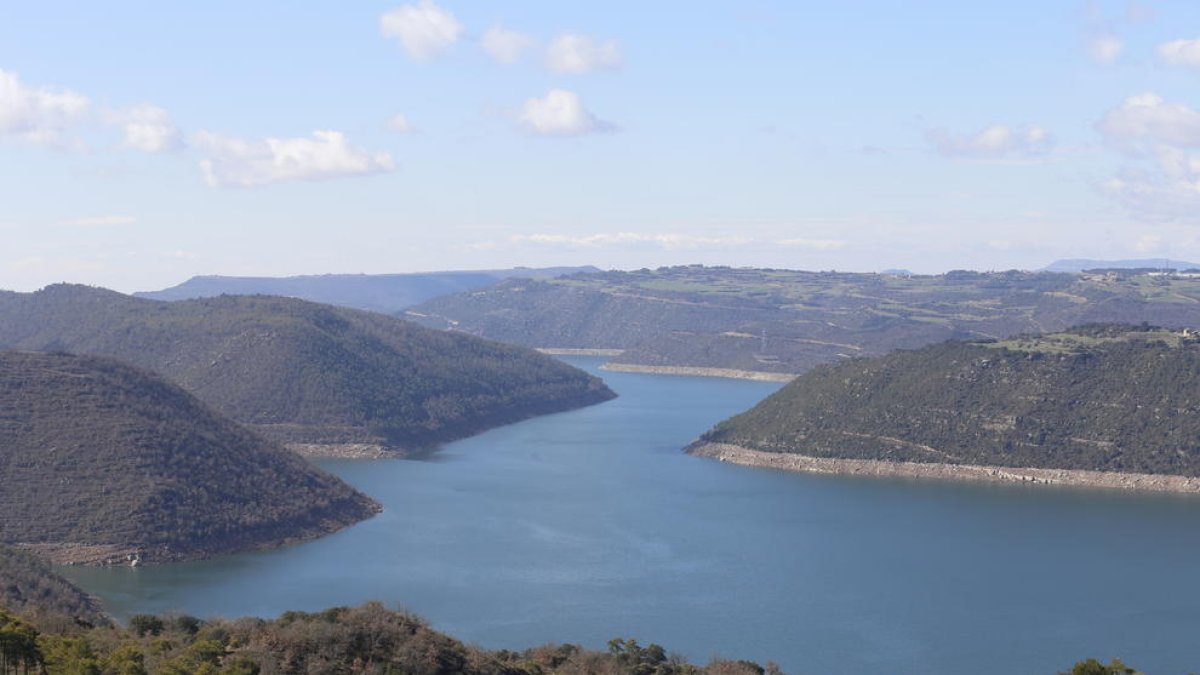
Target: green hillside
1099 397
789 321
99 460
301 372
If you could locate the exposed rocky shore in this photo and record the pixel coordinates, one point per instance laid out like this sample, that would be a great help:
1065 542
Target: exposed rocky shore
759 375
869 467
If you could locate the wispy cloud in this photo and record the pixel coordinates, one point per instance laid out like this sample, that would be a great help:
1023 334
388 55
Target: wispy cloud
57 117
38 114
400 124
1147 118
997 141
236 162
1182 53
1162 178
148 128
1105 49
504 45
423 29
574 53
560 113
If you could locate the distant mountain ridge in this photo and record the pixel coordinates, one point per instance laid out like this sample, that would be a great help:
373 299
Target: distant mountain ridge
1101 398
386 293
305 373
100 459
789 321
1075 265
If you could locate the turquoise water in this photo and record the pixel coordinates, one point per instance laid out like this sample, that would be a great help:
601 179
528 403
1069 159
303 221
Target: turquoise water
588 525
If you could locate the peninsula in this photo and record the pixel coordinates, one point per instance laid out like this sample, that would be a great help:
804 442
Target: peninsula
1098 405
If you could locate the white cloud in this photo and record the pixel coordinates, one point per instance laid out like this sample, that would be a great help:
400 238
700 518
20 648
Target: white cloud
148 128
424 29
1145 118
995 142
100 221
55 117
400 124
40 115
817 244
1104 49
235 162
560 113
575 54
1185 53
504 45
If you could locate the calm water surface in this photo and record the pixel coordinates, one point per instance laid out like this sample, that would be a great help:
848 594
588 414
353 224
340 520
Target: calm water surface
587 525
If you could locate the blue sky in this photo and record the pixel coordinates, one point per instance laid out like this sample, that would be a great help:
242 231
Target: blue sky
142 143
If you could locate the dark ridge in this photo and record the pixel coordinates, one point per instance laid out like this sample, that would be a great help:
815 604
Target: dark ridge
1101 397
100 460
301 372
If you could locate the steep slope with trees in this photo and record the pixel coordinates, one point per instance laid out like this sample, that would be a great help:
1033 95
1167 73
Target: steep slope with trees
1101 398
29 587
305 373
100 460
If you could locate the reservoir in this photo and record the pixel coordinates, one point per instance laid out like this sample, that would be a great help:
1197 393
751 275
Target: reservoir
588 525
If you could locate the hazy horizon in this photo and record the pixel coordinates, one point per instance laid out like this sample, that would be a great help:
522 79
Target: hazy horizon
141 148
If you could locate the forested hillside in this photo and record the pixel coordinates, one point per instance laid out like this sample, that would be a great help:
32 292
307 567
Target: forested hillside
305 373
100 460
29 587
1105 398
788 321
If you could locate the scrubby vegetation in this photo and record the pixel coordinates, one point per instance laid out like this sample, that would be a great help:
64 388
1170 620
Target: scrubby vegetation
1099 397
30 588
365 639
98 458
302 372
791 321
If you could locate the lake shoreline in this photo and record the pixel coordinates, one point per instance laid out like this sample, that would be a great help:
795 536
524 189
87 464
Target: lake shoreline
691 371
696 371
353 451
573 351
1138 482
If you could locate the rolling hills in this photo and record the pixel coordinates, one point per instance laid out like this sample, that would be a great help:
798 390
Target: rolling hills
785 321
100 460
386 293
1113 399
326 379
